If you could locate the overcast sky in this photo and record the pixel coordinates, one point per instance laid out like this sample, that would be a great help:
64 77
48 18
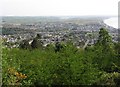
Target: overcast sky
58 7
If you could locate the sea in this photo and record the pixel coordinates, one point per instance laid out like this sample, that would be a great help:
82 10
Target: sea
113 22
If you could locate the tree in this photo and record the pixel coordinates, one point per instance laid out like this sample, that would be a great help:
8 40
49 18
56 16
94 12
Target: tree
38 36
104 49
25 44
37 43
104 38
58 47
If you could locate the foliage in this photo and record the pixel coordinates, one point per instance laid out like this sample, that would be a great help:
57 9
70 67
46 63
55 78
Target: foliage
43 67
104 51
25 44
105 40
63 64
37 43
109 79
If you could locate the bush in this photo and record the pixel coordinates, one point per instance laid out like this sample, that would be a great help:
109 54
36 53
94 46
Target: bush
41 67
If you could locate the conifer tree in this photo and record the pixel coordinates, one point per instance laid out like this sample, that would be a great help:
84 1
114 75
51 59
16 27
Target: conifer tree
37 43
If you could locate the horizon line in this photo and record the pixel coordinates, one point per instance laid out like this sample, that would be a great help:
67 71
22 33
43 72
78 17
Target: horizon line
60 16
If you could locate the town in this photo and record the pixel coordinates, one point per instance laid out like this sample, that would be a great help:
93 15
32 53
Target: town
58 30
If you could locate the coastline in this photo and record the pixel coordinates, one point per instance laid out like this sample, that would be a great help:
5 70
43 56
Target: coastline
113 22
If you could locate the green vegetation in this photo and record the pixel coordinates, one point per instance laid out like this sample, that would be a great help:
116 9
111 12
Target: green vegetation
63 64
